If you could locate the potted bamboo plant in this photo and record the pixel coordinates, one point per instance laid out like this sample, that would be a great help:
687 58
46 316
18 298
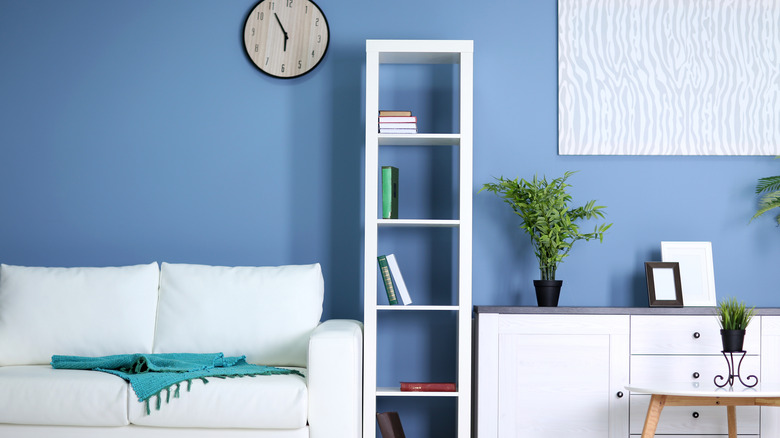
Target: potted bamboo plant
546 216
733 318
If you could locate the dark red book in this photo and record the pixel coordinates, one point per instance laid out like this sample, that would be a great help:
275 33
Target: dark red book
428 386
390 425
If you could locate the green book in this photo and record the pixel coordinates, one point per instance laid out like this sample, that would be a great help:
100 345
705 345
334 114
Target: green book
389 192
387 279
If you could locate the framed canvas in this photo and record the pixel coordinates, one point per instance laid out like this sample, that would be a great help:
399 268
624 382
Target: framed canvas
696 271
663 284
644 77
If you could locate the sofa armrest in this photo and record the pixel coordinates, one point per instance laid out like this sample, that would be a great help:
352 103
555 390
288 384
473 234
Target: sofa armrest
335 379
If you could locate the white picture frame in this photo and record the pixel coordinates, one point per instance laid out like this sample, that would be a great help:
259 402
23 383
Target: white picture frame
696 271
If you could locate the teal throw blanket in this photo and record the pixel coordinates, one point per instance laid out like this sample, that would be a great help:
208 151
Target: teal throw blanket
150 374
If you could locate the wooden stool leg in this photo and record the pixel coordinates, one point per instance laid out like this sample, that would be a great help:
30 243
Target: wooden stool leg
653 415
732 414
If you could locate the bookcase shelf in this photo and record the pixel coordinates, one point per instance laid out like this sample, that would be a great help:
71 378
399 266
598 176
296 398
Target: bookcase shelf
411 307
396 392
444 317
418 222
419 139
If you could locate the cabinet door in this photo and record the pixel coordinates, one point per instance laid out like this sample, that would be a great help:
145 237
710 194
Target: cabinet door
562 375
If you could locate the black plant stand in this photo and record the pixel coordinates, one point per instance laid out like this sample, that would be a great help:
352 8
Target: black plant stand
734 372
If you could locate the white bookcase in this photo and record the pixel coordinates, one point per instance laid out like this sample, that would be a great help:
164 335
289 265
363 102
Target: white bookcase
455 304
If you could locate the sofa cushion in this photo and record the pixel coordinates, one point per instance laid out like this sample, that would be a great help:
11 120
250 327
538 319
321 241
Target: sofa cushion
75 311
38 394
261 402
265 313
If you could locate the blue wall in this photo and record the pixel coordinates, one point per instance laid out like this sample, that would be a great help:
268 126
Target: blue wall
133 132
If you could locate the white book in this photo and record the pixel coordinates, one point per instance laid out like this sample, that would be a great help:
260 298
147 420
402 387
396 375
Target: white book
398 125
395 271
398 130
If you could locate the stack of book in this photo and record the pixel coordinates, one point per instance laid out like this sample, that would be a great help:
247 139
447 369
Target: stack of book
397 122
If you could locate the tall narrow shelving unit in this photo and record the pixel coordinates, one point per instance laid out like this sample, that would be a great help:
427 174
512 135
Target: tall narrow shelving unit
457 302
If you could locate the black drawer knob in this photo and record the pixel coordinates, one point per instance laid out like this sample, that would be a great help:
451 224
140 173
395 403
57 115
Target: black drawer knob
696 375
696 335
695 415
620 394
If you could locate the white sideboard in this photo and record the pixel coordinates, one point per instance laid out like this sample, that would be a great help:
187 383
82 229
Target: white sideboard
559 372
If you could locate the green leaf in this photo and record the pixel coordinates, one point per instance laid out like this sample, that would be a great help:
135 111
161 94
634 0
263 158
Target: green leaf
768 202
768 184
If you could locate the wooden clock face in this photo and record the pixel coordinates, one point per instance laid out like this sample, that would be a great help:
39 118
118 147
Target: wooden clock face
286 38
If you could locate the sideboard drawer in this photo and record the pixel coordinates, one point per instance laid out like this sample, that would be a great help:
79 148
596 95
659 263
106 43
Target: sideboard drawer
701 368
683 335
693 419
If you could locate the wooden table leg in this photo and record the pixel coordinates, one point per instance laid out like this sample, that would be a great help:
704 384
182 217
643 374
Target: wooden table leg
732 414
653 414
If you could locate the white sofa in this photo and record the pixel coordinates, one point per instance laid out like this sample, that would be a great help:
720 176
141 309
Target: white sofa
270 314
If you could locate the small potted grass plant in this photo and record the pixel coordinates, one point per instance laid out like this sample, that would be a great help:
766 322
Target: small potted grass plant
733 318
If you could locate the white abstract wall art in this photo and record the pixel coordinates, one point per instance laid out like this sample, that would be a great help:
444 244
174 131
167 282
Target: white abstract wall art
669 77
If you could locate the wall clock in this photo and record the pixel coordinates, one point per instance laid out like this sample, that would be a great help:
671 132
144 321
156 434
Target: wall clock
286 38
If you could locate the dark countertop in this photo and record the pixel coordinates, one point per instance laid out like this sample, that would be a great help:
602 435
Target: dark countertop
530 310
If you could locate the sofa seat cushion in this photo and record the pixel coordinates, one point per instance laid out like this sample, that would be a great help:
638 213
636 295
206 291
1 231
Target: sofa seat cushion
261 402
40 395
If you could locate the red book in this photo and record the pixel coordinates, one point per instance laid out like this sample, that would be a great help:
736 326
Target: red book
428 386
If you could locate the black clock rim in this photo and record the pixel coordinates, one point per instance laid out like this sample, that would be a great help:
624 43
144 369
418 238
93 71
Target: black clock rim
248 57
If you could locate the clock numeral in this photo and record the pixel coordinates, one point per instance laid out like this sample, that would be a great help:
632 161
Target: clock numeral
272 6
300 64
317 21
312 53
253 31
282 68
266 60
261 16
289 3
306 10
319 38
257 47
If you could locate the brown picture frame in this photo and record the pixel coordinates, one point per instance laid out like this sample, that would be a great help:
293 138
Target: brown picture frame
664 287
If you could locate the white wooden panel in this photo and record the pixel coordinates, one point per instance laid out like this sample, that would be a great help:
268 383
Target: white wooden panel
681 420
553 386
619 375
564 324
770 366
682 368
675 334
487 375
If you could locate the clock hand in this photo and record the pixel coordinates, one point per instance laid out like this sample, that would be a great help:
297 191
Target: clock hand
280 23
283 31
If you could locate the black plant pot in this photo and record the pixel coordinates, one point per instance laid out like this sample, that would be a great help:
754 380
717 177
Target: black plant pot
732 339
547 292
